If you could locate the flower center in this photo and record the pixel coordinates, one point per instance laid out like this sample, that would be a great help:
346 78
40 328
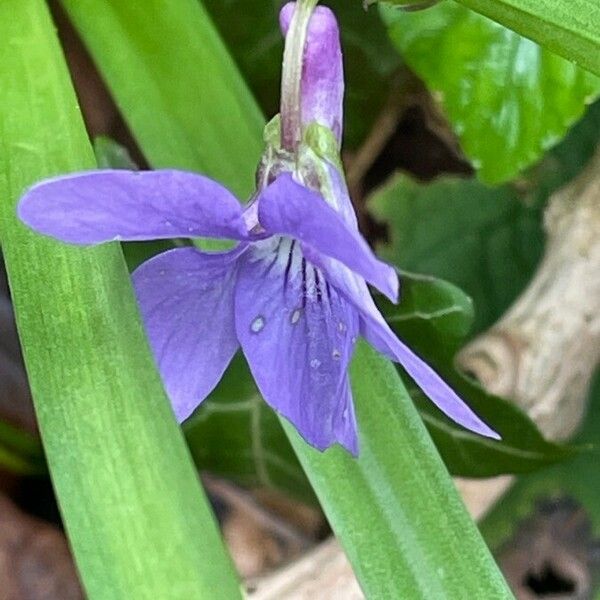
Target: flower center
284 258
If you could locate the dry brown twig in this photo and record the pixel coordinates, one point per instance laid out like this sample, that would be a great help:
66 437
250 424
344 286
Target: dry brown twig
544 350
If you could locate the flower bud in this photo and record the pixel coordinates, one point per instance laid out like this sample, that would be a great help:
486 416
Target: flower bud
322 74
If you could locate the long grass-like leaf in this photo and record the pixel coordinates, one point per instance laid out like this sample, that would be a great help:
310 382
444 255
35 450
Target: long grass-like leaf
395 509
137 520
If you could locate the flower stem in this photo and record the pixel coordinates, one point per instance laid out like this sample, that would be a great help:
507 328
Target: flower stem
291 78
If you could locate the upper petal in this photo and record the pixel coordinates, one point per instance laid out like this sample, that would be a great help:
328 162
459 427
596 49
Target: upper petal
298 335
101 206
377 332
286 207
186 303
322 85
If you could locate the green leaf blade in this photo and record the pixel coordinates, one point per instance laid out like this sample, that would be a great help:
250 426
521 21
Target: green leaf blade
376 503
494 236
432 308
210 102
435 316
522 449
127 489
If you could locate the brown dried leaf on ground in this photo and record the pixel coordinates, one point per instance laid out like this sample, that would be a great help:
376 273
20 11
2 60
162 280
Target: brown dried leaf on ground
35 561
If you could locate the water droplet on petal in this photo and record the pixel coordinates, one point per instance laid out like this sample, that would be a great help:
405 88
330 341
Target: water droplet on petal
345 414
257 325
342 327
296 316
315 363
336 354
354 339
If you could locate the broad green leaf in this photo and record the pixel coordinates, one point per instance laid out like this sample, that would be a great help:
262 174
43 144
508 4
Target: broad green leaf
137 520
464 231
235 434
256 43
565 161
388 515
507 98
394 509
523 448
485 240
433 308
434 318
570 28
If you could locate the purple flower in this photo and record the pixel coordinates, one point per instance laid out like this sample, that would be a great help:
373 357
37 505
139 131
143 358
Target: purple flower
293 292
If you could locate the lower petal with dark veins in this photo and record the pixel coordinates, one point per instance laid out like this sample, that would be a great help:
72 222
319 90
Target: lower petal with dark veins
298 335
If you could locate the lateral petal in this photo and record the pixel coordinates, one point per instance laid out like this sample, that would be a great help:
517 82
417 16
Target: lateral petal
93 207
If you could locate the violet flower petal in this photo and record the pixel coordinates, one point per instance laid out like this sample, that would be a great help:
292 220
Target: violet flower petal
298 335
101 206
377 332
322 84
186 300
286 207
